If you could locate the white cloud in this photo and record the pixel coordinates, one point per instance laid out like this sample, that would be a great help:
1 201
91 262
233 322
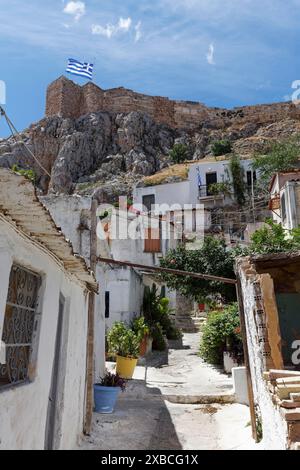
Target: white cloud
107 31
210 54
138 31
123 25
75 9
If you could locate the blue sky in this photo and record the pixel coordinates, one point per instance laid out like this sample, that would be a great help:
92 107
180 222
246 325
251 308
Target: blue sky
220 52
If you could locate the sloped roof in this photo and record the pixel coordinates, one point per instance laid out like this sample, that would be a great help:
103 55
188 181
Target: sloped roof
20 206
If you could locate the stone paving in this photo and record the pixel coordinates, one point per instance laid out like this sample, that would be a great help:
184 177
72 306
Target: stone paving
175 401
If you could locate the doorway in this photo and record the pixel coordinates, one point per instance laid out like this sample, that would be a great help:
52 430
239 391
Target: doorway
56 395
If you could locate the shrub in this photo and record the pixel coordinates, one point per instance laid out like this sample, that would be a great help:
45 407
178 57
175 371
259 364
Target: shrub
140 328
179 153
123 341
157 313
159 343
221 147
29 174
222 333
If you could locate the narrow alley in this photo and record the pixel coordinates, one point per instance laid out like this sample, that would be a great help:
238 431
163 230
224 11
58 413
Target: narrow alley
175 402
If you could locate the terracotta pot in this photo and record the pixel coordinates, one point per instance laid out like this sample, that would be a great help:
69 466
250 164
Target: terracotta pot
143 346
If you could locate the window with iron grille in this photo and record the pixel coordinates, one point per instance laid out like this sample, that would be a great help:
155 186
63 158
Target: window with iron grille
19 325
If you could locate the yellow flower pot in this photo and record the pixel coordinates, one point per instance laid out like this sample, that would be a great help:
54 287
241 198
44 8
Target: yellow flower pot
126 366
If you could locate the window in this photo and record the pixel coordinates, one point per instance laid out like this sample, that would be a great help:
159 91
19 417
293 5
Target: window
107 299
283 207
19 325
152 240
250 175
148 202
211 178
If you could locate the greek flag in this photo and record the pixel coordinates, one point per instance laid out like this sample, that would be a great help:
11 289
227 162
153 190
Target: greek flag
78 68
199 177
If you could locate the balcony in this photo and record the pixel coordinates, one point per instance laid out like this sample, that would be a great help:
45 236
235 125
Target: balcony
205 193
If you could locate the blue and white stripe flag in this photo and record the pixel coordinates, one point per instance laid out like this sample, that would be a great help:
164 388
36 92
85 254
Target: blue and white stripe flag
199 177
84 69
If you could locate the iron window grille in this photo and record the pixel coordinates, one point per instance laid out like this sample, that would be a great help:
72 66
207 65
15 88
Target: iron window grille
20 324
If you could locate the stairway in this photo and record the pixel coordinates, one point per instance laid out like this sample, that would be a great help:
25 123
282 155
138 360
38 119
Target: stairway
189 323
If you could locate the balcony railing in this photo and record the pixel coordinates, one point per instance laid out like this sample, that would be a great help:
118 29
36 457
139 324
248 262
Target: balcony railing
205 191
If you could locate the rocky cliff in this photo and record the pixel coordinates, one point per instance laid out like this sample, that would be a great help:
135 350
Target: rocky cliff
106 153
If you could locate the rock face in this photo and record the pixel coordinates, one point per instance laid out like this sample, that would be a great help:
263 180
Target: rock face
106 153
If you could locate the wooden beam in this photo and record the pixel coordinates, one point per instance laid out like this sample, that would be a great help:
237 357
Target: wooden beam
174 272
91 321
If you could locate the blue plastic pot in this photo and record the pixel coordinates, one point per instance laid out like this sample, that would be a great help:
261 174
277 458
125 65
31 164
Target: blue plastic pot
105 398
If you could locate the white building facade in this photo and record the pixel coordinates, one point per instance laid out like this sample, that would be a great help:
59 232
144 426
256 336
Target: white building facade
44 294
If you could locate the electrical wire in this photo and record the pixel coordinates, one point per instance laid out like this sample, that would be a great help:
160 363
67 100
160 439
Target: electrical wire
15 133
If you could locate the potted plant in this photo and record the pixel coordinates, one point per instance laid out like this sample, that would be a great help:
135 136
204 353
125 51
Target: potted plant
124 342
106 392
142 331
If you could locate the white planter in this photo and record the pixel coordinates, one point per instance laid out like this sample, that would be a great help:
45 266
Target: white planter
229 362
149 345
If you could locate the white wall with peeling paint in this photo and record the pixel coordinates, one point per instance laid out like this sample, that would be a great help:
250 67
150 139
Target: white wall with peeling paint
24 407
273 425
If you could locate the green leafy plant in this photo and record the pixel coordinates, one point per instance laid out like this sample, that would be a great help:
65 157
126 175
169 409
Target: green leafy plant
29 174
223 188
112 380
272 238
140 328
221 147
179 153
238 183
123 341
212 257
280 156
157 312
159 342
222 333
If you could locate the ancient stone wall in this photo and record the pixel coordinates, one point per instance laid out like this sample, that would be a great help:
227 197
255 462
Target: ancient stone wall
67 99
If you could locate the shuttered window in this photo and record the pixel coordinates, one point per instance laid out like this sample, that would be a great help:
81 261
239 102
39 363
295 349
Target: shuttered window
152 240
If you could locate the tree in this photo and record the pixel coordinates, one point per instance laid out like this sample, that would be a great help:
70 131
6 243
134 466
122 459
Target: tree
179 153
221 147
281 156
238 183
211 258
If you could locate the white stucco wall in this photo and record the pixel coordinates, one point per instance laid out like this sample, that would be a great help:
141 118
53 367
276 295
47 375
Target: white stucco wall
274 426
69 212
171 193
126 290
24 407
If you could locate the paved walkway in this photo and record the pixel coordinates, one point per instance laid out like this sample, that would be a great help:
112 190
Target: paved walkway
179 404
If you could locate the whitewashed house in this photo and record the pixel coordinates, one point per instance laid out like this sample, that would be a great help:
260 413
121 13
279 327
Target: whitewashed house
192 192
144 240
76 216
285 199
44 297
